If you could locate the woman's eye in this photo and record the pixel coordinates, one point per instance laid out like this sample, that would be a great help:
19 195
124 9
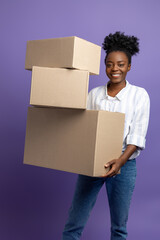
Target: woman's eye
108 65
121 65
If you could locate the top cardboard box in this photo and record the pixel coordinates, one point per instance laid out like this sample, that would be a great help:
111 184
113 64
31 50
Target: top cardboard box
67 52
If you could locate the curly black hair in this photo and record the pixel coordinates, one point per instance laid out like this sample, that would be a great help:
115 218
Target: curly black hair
120 42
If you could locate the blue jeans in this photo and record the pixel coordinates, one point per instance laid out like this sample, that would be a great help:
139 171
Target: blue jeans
119 191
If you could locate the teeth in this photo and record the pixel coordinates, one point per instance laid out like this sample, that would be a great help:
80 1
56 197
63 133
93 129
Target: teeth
116 75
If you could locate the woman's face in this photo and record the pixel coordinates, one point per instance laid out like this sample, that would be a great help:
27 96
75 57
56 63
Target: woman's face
117 66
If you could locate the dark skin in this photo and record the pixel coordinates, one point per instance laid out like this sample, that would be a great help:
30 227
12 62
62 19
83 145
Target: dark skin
117 67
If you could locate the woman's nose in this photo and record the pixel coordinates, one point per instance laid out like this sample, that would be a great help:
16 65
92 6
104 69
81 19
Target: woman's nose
115 67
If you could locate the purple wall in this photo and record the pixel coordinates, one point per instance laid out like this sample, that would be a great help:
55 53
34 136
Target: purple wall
34 201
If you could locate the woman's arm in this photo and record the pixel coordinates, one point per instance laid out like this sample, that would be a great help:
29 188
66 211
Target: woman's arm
136 136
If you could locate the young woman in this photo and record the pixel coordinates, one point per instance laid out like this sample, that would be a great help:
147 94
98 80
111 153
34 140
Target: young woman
118 95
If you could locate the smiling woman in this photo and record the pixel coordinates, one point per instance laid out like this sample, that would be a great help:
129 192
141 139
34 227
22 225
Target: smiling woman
116 96
119 50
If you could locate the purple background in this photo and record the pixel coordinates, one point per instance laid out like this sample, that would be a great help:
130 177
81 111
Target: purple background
34 201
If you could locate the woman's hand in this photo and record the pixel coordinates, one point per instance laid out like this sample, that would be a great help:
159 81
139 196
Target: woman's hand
115 166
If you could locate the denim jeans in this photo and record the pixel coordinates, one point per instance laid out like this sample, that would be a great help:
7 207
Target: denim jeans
119 191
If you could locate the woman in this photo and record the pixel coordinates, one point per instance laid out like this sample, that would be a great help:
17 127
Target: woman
116 96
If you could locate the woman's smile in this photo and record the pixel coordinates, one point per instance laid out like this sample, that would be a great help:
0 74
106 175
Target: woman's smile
115 75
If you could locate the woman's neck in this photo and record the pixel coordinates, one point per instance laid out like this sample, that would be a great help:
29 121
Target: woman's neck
114 88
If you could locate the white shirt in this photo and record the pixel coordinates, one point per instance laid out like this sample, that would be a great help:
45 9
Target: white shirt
131 100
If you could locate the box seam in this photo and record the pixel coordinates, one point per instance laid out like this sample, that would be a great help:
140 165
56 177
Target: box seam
33 74
87 83
74 43
95 153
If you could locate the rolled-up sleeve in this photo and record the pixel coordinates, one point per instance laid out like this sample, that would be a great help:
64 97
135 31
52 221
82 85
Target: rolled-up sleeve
139 125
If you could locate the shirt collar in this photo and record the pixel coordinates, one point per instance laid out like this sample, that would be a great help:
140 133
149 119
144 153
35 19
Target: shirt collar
121 94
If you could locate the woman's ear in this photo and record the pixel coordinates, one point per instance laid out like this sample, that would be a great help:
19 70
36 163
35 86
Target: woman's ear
129 67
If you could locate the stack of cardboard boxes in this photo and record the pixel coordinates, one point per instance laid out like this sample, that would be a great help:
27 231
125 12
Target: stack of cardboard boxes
61 134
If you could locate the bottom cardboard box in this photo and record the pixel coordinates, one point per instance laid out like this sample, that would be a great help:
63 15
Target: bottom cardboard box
77 141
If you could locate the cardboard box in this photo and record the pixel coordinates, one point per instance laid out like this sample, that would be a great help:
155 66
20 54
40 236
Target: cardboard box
59 87
67 52
78 141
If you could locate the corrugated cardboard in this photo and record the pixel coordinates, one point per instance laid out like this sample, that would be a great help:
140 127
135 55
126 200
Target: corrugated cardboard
78 141
59 87
67 52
